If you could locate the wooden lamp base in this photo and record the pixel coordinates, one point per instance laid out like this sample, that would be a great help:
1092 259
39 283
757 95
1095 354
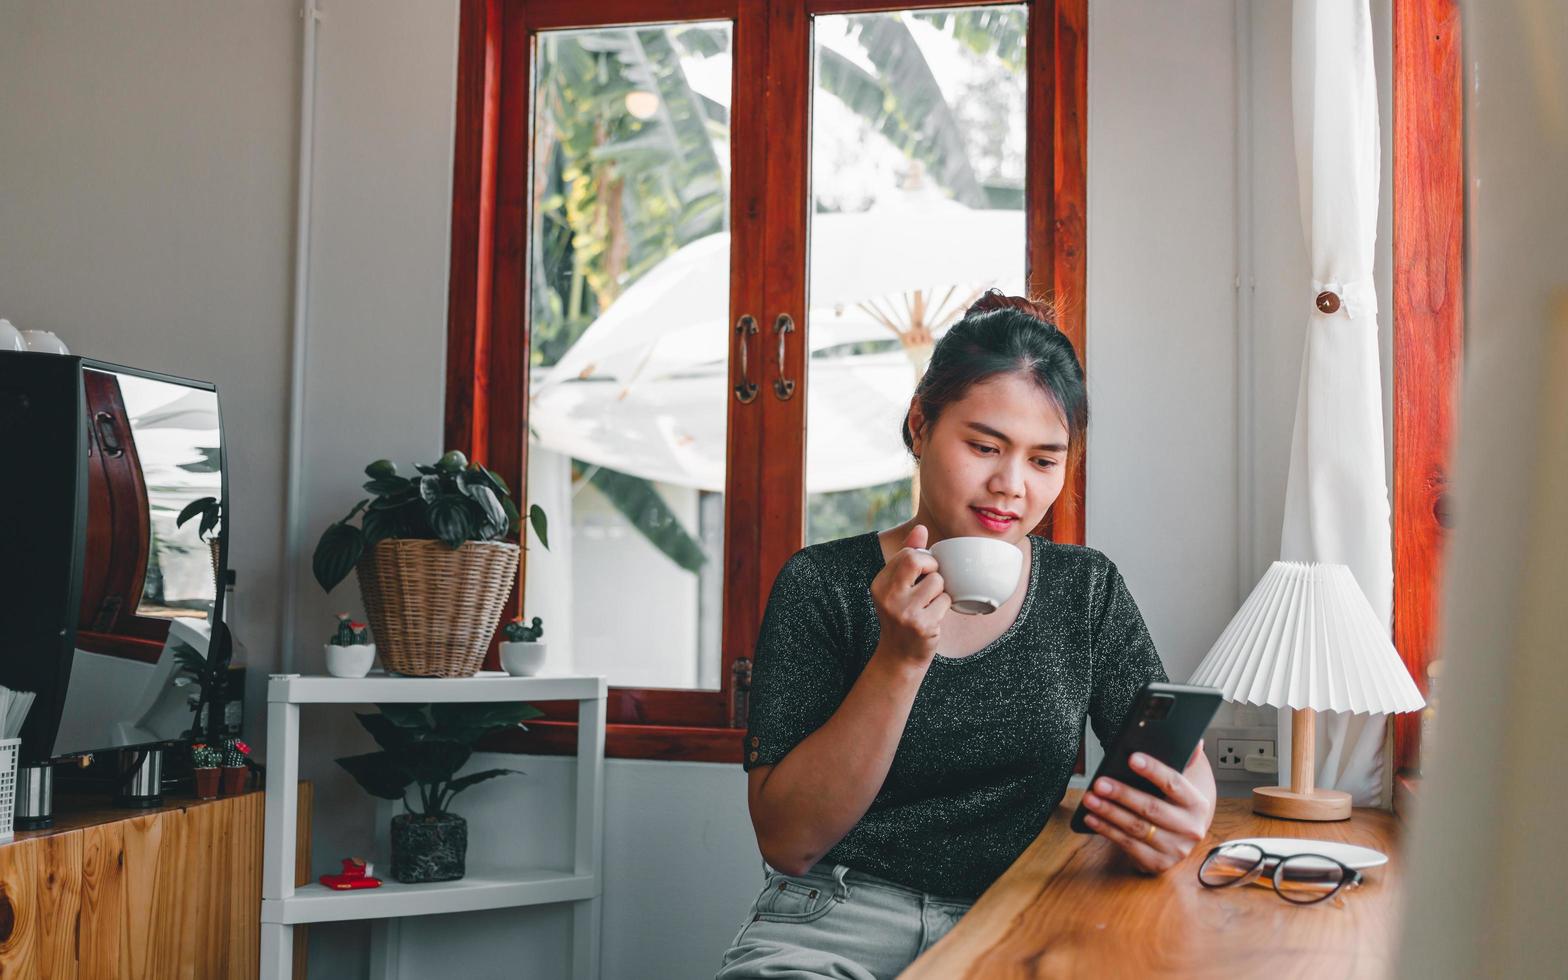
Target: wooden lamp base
1319 804
1302 800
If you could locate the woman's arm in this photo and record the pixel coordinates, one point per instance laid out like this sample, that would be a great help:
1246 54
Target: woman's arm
806 802
816 794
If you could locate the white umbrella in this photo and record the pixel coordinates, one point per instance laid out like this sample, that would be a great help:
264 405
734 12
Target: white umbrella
197 409
672 429
864 268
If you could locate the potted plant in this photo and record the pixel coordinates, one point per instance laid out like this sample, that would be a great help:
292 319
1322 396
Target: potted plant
211 511
204 765
425 746
235 766
433 565
522 655
349 650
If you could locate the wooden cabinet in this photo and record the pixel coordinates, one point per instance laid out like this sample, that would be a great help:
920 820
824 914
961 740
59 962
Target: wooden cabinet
112 893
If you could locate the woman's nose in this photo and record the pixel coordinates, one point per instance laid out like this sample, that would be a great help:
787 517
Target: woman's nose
1008 478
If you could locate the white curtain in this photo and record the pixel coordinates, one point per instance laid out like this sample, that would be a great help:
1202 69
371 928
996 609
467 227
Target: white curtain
1336 498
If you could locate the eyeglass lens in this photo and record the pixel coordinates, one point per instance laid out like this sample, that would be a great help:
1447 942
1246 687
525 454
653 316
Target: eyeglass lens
1229 864
1307 878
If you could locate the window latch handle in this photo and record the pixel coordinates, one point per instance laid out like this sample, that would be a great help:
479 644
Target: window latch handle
782 386
745 329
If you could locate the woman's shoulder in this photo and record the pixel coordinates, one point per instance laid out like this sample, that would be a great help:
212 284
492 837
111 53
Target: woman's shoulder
1074 570
1060 555
841 560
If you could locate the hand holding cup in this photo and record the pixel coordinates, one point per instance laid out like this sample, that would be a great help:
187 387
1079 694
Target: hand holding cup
911 600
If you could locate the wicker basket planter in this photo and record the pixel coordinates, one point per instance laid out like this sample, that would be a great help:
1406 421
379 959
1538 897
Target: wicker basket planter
433 609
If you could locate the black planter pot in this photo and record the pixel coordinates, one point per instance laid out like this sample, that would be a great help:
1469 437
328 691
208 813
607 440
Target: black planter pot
428 848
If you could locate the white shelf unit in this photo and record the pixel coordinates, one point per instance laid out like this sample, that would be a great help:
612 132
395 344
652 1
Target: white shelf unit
285 905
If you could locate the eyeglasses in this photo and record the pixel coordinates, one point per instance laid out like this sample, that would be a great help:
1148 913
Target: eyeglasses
1304 879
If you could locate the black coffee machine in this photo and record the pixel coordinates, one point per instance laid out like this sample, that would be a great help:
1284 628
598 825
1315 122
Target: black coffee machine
101 583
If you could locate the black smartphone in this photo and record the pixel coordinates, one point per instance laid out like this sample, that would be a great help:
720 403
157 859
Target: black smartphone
1165 722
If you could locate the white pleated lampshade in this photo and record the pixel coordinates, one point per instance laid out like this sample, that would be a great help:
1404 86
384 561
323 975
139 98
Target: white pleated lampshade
1307 638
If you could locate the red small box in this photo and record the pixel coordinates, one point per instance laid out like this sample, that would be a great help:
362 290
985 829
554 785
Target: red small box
355 874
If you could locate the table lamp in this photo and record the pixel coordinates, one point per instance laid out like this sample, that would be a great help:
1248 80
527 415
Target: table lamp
1308 640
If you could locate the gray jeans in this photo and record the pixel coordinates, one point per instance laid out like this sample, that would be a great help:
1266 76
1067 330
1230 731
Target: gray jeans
838 923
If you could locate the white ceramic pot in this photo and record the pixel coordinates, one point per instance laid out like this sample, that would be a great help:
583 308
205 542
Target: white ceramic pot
44 342
10 337
350 661
522 658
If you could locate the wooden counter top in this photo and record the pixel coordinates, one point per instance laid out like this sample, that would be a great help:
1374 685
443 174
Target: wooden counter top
1072 906
77 812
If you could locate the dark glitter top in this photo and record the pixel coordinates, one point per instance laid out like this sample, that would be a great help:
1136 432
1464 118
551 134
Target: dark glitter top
991 738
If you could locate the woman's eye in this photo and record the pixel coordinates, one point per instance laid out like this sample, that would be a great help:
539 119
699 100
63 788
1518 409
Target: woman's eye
1045 464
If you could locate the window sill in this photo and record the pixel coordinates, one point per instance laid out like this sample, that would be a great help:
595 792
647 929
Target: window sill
668 743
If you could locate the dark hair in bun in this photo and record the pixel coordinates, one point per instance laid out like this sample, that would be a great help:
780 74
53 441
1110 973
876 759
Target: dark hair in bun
1000 334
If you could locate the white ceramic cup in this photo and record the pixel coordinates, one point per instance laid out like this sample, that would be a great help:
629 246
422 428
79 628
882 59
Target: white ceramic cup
522 658
980 573
350 661
44 342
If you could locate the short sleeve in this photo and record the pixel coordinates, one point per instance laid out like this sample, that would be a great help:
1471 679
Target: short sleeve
797 677
1123 657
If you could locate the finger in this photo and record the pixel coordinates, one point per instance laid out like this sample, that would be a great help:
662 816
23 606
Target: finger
913 566
1134 823
917 537
1143 854
1142 809
1176 787
926 591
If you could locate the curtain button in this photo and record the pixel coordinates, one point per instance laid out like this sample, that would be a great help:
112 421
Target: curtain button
1327 302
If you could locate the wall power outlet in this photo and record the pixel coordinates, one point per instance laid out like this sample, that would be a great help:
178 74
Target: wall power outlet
1234 752
1228 749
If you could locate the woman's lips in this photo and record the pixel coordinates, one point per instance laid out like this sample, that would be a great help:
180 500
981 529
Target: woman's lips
993 520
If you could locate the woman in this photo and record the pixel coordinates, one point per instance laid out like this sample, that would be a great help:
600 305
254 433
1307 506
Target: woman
902 756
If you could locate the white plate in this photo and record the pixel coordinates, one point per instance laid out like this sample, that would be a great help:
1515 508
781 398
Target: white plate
1349 855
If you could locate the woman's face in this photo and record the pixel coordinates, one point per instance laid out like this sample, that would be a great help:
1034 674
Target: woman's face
993 462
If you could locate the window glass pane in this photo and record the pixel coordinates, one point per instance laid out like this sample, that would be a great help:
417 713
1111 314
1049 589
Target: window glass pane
629 315
917 181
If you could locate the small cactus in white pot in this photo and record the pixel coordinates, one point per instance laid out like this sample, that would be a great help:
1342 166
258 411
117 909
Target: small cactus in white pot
522 655
349 650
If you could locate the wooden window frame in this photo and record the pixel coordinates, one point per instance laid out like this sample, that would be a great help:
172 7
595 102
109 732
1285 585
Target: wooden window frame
487 342
1429 209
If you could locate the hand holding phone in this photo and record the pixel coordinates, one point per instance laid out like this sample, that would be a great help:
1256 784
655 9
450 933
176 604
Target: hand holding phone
1165 723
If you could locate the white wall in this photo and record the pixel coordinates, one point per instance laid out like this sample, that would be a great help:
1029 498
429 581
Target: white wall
1161 488
146 188
146 200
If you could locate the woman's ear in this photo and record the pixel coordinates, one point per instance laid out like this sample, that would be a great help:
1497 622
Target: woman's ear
916 420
